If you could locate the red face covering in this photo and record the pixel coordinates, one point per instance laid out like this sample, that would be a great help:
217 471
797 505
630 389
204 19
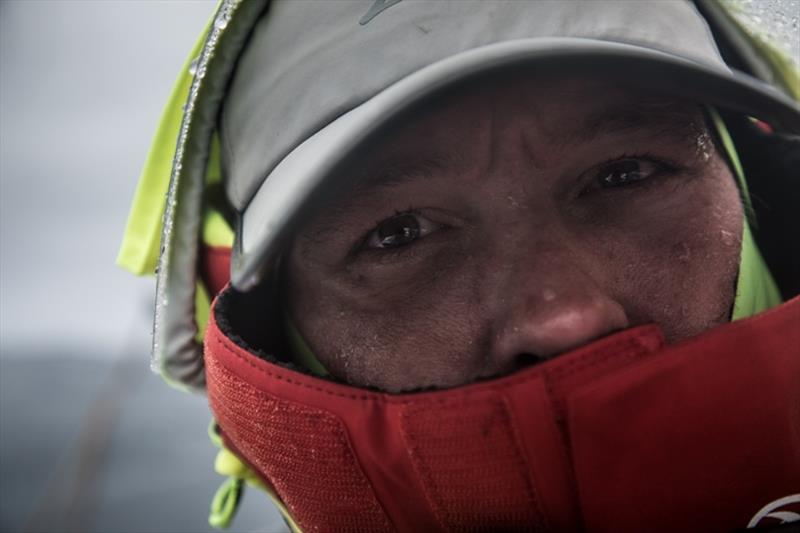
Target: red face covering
623 434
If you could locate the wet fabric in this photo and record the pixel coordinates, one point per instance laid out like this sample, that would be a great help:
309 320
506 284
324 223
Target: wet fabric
297 85
624 434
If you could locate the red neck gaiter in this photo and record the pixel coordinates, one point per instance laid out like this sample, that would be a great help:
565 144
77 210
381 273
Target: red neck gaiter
623 434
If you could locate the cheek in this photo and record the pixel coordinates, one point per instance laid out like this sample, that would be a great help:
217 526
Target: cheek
392 340
685 276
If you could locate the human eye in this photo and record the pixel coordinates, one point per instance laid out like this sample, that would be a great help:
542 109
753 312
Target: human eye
627 171
400 230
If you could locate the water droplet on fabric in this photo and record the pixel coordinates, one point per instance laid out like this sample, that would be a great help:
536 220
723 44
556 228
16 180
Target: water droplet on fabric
221 22
773 21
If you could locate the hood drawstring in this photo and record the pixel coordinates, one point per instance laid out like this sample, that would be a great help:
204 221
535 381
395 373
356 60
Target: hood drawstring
228 496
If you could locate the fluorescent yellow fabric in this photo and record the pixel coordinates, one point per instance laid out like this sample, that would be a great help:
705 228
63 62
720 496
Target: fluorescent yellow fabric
756 289
140 246
301 352
216 231
227 498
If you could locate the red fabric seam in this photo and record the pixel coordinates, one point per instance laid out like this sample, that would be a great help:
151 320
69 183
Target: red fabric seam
233 349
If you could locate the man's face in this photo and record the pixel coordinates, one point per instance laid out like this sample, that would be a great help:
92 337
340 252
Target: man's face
515 223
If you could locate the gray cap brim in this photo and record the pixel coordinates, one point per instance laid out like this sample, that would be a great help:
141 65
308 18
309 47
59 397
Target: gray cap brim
267 221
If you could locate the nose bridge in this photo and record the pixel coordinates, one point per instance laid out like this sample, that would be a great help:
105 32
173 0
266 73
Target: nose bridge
548 276
555 299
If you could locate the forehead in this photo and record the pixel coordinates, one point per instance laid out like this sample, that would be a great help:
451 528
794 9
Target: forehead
550 116
551 105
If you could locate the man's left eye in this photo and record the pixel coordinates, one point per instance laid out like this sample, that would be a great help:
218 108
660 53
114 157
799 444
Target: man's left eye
626 171
399 230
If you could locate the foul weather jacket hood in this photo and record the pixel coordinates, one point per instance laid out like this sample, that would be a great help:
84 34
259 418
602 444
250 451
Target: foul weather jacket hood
551 452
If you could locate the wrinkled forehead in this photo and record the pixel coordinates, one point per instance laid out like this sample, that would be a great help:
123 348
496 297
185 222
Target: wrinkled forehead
550 112
564 108
543 125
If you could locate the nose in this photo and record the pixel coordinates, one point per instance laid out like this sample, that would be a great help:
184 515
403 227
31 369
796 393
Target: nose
550 312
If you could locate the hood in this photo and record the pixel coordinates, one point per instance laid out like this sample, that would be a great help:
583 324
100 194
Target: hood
263 209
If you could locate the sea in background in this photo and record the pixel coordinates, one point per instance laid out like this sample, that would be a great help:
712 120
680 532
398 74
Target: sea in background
90 439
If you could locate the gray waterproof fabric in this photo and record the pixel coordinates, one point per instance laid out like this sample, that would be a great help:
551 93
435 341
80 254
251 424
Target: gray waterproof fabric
177 355
309 62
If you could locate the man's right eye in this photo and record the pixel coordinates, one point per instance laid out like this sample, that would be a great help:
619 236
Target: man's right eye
399 230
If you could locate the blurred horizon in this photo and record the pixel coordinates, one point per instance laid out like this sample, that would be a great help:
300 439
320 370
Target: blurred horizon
90 439
81 90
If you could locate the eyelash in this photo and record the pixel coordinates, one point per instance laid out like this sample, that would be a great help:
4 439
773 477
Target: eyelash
361 245
663 167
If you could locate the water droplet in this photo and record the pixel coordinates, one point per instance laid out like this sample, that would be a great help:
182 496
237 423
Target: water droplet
728 238
683 252
774 21
222 22
703 145
193 66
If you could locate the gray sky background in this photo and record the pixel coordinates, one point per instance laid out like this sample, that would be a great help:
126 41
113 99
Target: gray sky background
82 84
90 440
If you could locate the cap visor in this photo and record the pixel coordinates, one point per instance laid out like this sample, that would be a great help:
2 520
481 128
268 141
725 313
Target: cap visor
312 167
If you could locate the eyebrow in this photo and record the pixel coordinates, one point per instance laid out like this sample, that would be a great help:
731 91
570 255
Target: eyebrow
399 170
658 116
385 175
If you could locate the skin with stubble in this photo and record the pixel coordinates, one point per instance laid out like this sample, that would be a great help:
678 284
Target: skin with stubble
512 224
